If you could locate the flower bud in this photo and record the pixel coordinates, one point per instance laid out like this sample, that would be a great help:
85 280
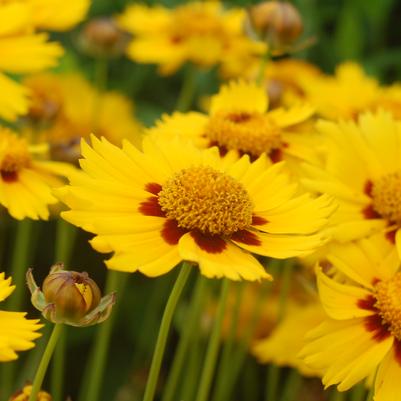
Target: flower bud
73 294
101 37
23 395
279 23
70 297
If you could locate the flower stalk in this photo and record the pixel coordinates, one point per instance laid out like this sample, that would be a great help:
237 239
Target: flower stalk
164 330
213 346
44 363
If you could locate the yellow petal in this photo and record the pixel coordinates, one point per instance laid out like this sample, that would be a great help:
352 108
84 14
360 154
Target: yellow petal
218 258
28 53
240 96
388 376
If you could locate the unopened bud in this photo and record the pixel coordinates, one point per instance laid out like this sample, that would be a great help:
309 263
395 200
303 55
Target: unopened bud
65 150
101 37
277 22
23 395
73 294
70 297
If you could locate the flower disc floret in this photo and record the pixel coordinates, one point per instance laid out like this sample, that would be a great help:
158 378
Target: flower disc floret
204 199
14 152
251 133
386 194
388 302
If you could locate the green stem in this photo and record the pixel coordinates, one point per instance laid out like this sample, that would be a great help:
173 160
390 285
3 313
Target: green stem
65 238
101 74
223 377
164 329
44 363
100 79
260 77
273 371
213 346
19 263
193 370
181 353
94 371
273 377
237 360
291 386
187 92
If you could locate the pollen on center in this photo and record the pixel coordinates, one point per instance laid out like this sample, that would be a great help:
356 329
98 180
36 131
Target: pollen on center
250 133
388 302
386 195
204 199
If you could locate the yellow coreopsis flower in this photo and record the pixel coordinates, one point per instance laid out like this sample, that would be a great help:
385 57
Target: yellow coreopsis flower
239 121
363 171
67 108
342 96
26 182
362 332
285 79
58 15
16 332
23 50
286 340
200 32
174 202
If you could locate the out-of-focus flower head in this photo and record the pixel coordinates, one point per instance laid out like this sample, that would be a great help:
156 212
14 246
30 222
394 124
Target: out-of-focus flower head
174 202
17 332
66 108
27 178
285 79
70 297
362 329
23 395
342 96
239 120
199 32
24 50
362 170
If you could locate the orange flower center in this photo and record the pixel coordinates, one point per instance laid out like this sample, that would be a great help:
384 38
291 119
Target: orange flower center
14 152
251 133
388 302
386 195
204 199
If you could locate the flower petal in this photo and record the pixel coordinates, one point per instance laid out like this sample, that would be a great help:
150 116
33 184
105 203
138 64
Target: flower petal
219 258
240 96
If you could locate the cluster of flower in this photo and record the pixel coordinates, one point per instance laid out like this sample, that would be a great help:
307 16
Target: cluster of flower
283 162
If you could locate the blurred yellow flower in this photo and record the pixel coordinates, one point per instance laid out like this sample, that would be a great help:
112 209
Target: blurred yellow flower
22 50
239 121
362 169
16 332
66 108
174 202
286 340
285 79
23 395
58 15
26 181
200 32
342 96
362 330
